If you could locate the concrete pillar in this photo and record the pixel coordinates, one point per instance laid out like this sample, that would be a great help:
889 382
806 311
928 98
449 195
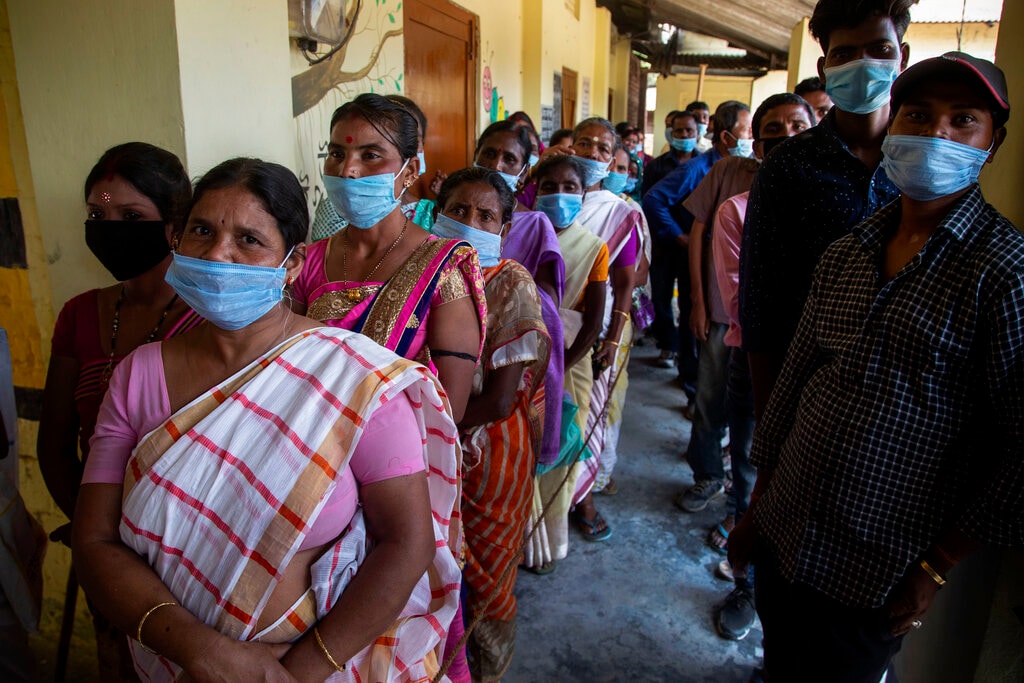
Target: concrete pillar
1001 180
533 58
619 79
803 54
602 64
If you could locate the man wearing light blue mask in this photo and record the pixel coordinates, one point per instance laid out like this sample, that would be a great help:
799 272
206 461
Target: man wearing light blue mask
820 184
682 138
702 113
670 226
906 370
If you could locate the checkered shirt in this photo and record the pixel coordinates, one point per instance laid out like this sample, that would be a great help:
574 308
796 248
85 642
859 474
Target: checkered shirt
900 409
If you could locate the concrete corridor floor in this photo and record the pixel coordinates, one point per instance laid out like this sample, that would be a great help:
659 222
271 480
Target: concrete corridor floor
639 606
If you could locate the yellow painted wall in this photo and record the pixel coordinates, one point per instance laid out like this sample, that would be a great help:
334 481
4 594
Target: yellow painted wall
552 39
234 80
804 52
27 315
1001 180
92 74
501 55
931 40
675 92
766 86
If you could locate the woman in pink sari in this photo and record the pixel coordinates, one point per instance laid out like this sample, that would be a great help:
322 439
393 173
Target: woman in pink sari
382 275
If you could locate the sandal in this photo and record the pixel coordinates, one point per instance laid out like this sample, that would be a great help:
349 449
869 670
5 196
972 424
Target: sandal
542 570
610 489
724 571
588 528
716 534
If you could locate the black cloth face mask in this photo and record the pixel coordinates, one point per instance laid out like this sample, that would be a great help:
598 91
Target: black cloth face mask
127 248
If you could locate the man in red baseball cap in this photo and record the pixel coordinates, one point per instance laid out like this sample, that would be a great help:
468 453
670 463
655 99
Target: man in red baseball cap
892 445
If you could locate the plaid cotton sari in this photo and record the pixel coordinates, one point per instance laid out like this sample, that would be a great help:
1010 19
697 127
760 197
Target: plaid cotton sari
219 498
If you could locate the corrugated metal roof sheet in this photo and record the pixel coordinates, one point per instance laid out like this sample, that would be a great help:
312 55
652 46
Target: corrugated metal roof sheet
764 27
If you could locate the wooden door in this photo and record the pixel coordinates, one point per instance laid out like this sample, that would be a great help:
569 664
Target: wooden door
569 98
441 47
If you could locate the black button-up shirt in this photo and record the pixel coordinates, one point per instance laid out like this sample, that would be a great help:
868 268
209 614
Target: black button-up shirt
810 191
899 412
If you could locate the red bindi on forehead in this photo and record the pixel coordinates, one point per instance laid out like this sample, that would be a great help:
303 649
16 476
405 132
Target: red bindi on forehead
348 139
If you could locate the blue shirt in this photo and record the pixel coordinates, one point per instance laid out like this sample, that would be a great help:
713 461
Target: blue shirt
663 203
899 412
811 190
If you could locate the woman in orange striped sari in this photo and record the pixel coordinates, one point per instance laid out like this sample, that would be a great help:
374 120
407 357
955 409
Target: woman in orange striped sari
503 421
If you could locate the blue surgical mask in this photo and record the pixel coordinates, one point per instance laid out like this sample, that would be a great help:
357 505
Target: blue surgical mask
686 145
594 171
638 149
364 202
630 185
668 135
615 182
561 209
702 129
743 148
861 86
511 180
533 160
423 162
487 244
230 295
926 168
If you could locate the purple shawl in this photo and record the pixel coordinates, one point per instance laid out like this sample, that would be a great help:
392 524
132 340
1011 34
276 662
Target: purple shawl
532 242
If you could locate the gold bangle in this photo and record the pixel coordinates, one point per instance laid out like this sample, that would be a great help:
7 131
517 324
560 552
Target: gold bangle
609 341
932 573
622 313
323 648
138 631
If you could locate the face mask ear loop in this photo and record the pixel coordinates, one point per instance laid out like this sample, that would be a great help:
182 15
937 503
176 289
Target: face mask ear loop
287 256
404 186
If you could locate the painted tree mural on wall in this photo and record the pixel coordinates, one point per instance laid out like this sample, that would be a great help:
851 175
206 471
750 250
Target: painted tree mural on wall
313 84
368 60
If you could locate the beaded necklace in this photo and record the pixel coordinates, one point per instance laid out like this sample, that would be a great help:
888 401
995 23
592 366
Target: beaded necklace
109 370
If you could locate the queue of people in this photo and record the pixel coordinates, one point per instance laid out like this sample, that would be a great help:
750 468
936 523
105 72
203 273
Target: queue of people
325 454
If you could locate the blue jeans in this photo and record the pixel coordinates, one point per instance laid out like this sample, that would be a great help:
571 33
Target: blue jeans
709 416
739 401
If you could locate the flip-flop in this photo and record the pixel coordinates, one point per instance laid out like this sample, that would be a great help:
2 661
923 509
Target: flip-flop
724 571
542 570
588 528
720 529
